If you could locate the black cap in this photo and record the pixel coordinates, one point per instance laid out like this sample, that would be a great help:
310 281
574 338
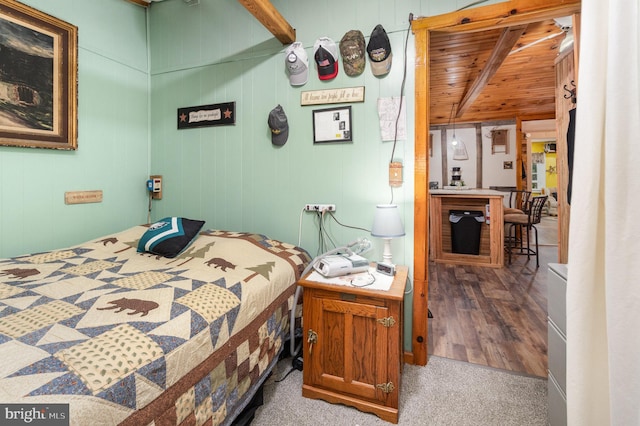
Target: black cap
379 50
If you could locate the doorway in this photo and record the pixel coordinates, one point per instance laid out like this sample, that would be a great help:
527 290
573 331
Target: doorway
541 154
513 13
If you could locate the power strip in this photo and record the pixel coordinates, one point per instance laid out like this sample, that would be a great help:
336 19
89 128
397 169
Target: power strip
320 208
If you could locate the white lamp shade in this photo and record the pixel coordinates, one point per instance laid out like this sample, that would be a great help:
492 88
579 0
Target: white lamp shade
459 149
386 222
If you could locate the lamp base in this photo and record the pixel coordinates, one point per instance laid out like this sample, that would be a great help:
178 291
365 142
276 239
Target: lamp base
386 254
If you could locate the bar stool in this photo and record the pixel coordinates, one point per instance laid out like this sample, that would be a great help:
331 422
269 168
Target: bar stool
518 204
518 201
521 223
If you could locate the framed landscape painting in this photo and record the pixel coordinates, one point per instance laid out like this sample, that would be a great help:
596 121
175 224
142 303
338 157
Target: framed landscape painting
38 79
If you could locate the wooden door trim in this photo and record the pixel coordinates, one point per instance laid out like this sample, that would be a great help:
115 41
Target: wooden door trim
505 14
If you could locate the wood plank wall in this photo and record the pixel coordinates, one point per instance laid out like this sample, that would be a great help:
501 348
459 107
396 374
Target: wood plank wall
564 77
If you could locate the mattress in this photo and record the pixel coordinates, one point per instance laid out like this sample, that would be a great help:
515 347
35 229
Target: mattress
133 338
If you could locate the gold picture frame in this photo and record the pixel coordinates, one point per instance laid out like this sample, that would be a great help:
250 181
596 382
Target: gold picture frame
38 79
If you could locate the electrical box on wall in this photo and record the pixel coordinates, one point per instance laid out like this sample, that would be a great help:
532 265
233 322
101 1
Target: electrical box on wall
155 186
395 174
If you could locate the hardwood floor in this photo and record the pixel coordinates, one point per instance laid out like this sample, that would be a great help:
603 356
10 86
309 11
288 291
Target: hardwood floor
548 231
494 316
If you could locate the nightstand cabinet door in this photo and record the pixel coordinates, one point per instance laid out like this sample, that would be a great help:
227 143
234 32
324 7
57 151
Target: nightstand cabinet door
353 348
351 352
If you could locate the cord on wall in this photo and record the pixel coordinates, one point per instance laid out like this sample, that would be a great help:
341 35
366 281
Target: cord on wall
149 210
395 167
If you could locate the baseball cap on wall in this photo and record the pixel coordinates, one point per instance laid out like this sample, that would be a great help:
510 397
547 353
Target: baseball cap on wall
279 126
297 64
325 52
379 50
352 50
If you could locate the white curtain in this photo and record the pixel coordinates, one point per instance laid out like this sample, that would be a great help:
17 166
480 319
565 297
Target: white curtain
603 294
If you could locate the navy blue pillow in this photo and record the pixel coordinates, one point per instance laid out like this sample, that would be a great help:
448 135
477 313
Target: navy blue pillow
168 237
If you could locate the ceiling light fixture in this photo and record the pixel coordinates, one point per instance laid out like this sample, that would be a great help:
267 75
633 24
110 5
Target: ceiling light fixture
459 148
567 42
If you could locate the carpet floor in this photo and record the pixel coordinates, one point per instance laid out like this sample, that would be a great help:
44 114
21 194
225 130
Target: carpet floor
444 392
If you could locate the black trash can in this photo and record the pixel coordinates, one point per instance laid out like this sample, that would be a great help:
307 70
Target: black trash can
466 227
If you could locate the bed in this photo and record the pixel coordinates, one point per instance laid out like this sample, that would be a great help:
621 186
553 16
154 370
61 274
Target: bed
136 338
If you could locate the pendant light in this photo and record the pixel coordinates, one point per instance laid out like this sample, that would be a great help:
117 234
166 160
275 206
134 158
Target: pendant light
459 148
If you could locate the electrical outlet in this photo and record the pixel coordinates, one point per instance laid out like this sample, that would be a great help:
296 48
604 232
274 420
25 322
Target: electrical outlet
320 207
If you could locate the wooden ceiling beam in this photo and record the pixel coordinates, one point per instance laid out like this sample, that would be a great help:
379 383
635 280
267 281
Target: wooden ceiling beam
264 12
272 20
142 3
508 38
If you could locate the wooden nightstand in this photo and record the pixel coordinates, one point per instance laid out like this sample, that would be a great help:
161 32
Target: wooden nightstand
357 351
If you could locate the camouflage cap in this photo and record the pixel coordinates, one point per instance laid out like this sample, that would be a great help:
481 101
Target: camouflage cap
352 50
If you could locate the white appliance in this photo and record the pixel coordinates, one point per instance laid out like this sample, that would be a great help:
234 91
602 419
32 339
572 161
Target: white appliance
341 264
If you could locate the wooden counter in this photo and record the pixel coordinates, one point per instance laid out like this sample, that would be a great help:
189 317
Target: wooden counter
491 235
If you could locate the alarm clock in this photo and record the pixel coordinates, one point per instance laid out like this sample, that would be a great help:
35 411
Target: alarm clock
386 268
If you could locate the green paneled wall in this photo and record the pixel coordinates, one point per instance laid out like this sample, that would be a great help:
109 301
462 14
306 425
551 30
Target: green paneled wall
113 138
232 176
130 87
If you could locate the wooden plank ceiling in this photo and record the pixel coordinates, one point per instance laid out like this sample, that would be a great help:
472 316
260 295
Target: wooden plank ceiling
484 77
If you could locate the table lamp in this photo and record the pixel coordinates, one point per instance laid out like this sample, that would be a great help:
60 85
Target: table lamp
387 225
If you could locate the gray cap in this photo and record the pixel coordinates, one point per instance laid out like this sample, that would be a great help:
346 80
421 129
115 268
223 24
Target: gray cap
297 64
279 126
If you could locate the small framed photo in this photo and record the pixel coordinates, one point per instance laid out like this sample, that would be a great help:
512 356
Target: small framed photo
507 165
332 125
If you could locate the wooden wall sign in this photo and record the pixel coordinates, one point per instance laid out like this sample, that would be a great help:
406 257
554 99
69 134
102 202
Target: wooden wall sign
83 197
332 96
207 115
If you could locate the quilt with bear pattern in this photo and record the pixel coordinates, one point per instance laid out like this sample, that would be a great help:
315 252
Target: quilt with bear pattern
111 331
